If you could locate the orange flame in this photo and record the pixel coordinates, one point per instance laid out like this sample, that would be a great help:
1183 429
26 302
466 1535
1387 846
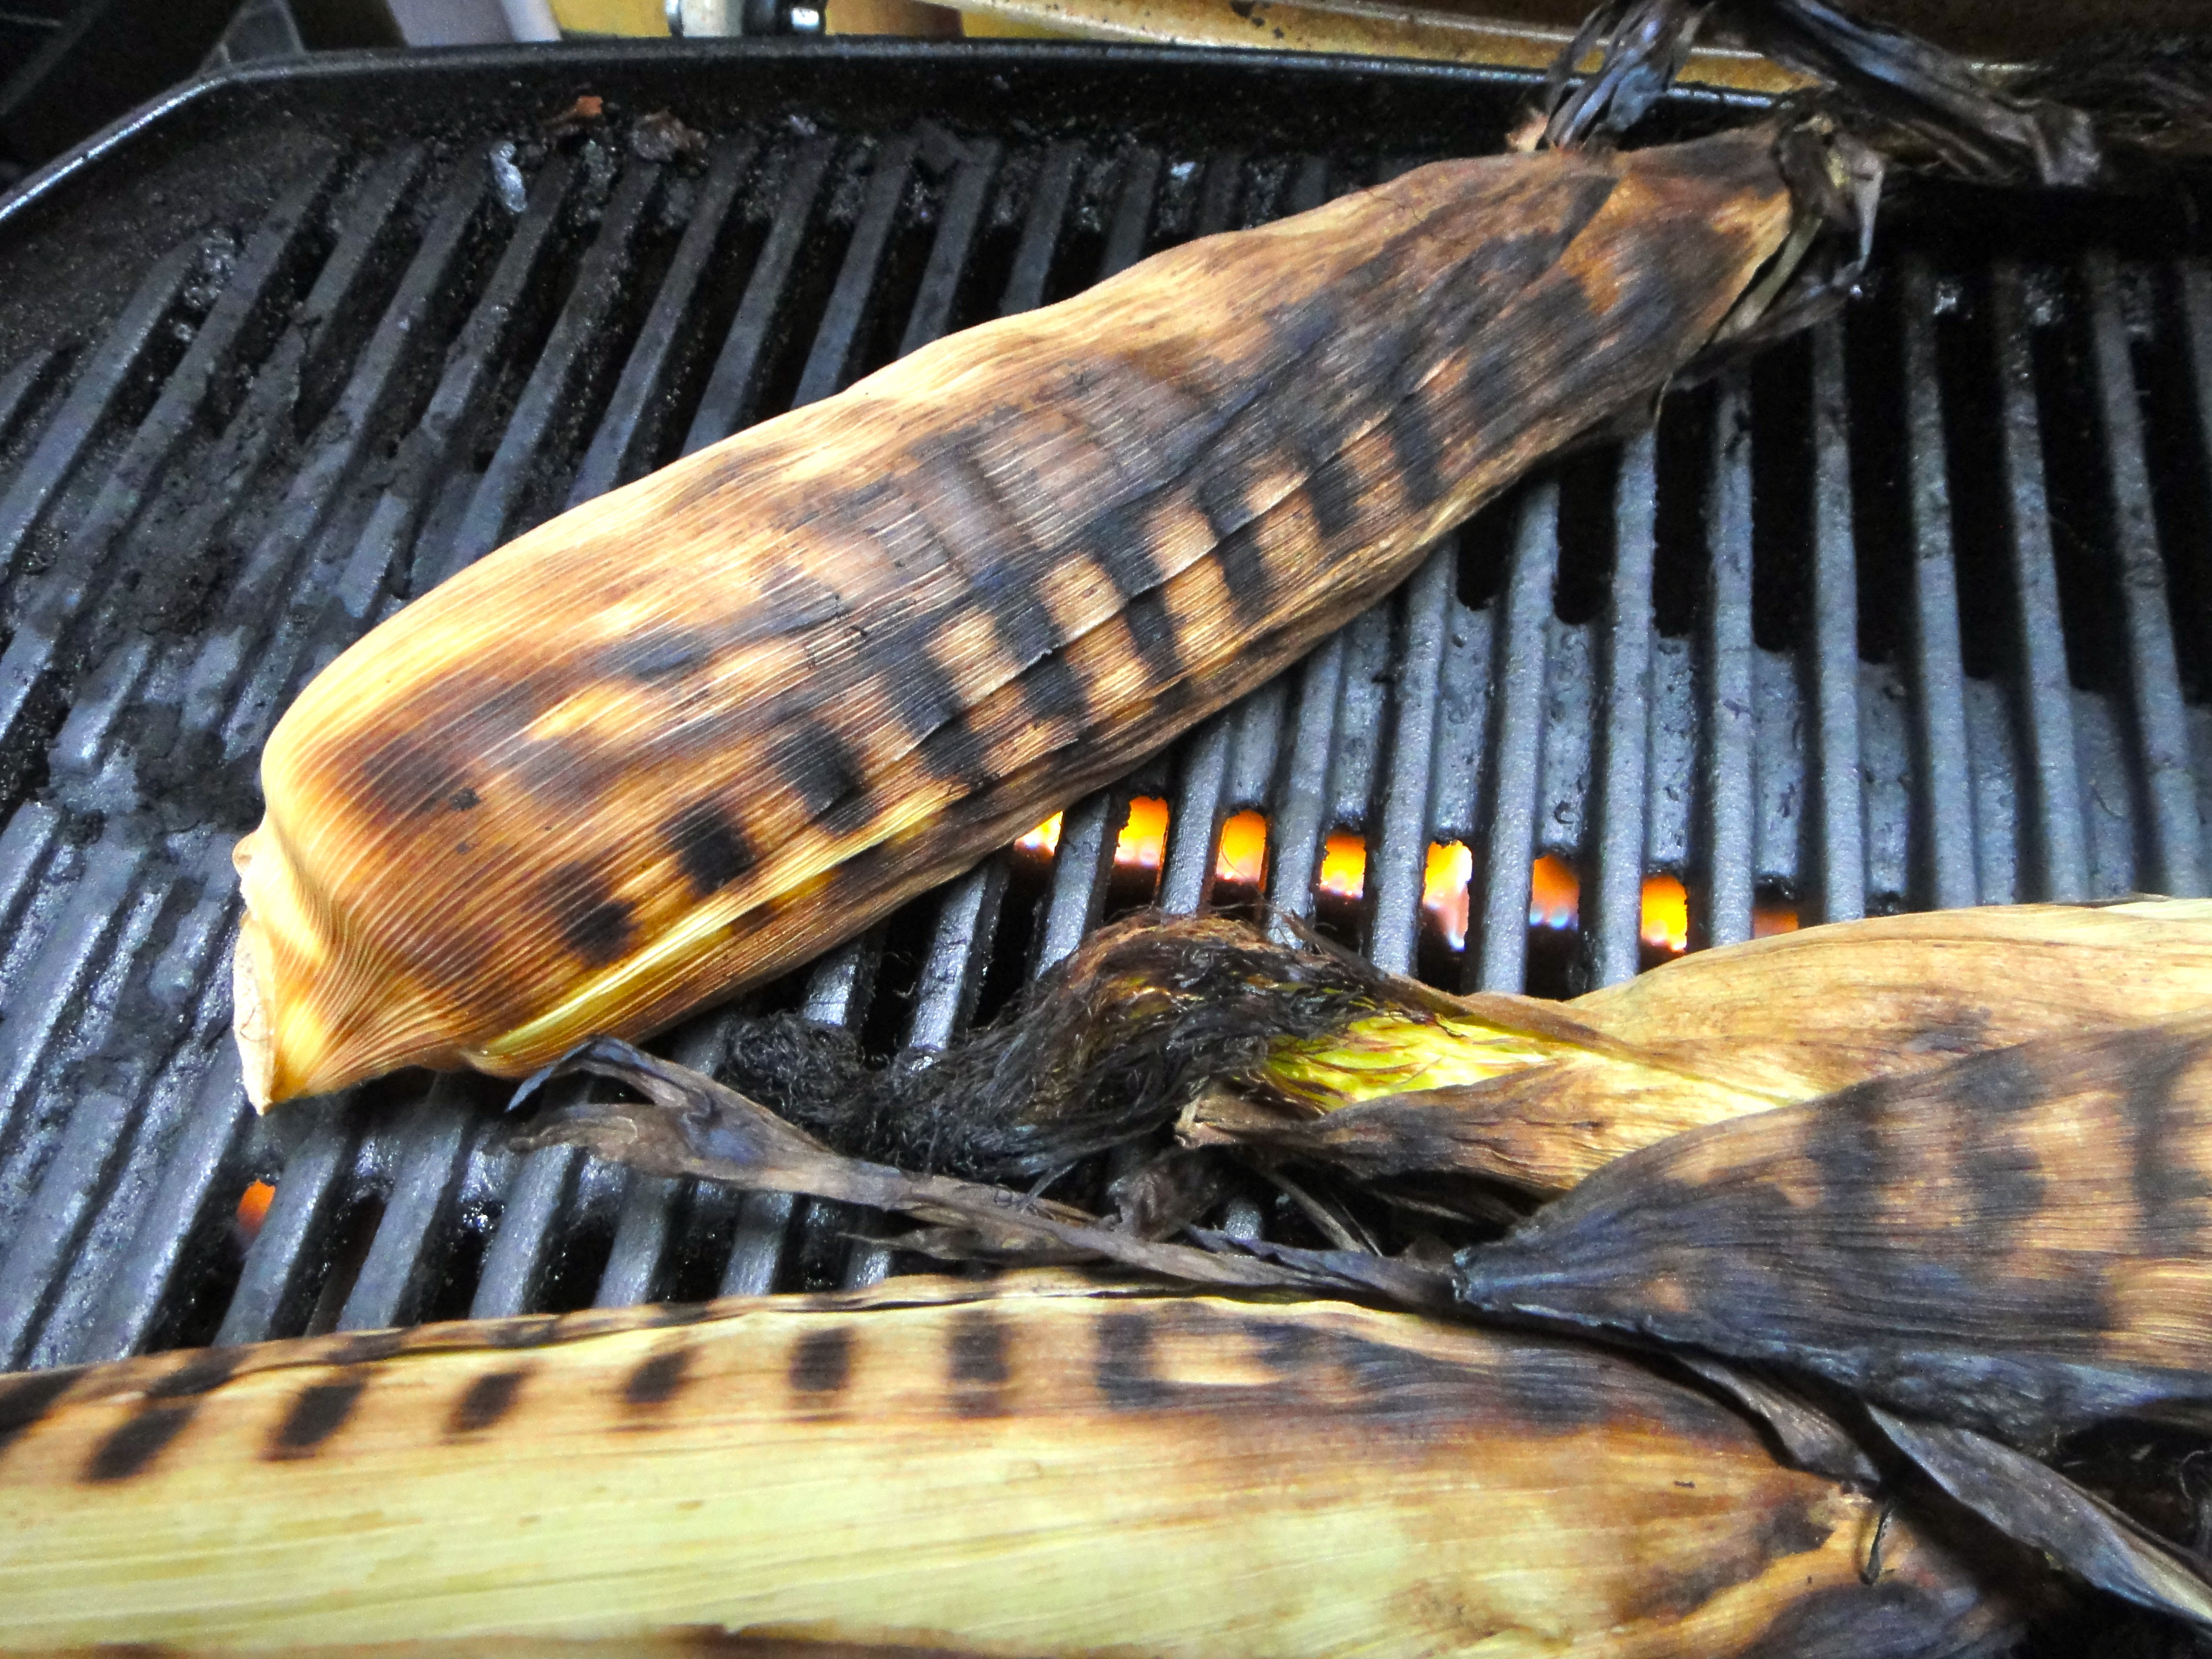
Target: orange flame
1665 915
1044 839
1243 857
1443 889
1344 866
253 1208
1145 836
1771 917
1555 894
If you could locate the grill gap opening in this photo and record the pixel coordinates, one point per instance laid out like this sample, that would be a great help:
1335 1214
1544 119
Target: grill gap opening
207 1269
449 1285
1340 886
713 310
1440 944
1663 931
1267 186
1139 851
334 344
1176 207
1014 942
1583 580
1881 475
818 1245
2082 550
1679 554
252 1210
1081 247
1774 909
543 301
881 1030
1240 864
583 1239
1968 365
702 1228
1485 550
1554 926
2177 453
1781 492
637 279
340 1250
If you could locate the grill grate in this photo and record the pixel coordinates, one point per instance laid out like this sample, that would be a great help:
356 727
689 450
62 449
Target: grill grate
1912 612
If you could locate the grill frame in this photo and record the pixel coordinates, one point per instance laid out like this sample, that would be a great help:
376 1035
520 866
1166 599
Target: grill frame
1535 687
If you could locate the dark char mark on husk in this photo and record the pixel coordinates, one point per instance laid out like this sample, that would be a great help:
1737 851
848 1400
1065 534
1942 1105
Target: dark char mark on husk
25 1400
1119 539
824 773
657 1379
2170 1186
1122 1366
134 1444
977 1365
710 846
594 924
821 1365
317 1411
486 1401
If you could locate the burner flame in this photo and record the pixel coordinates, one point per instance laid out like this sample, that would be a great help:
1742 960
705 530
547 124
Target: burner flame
1244 856
1343 866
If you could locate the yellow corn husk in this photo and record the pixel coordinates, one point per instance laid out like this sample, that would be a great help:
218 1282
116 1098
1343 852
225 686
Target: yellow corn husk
1543 1094
944 1466
688 735
1804 1013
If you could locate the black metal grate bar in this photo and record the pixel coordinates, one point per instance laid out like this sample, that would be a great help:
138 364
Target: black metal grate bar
98 386
1401 855
1615 935
2058 853
1723 916
1945 849
1839 857
957 223
1499 947
2172 861
1048 210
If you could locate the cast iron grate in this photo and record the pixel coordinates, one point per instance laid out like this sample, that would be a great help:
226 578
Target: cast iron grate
1914 612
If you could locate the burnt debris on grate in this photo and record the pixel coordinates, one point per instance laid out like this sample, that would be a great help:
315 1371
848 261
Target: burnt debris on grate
1912 612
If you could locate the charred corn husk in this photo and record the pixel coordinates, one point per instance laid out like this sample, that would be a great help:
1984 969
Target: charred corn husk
1312 1053
2013 1242
689 734
1024 1472
1723 1032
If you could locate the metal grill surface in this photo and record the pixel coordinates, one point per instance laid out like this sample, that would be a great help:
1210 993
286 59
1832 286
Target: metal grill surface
1914 611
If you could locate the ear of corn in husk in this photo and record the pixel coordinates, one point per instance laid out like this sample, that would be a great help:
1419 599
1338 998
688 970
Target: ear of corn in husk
1313 1054
688 735
941 1465
2015 1242
1719 1033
